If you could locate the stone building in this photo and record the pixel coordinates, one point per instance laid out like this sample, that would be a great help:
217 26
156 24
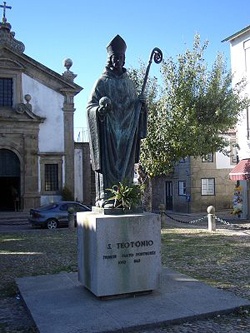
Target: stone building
195 184
36 127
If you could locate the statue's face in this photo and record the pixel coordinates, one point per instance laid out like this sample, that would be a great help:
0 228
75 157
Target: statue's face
118 61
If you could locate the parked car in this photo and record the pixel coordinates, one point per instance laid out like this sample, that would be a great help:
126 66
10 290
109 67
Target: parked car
56 214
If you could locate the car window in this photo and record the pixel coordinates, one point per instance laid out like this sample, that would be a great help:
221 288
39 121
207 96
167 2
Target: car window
72 205
48 207
76 207
64 207
80 208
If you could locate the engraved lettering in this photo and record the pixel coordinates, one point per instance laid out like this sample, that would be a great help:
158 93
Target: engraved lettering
149 253
126 245
110 257
127 255
122 262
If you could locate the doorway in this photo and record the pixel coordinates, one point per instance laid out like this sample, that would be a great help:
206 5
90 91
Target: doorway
9 181
169 195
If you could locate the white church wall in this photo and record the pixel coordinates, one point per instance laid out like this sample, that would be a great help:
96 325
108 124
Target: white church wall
46 103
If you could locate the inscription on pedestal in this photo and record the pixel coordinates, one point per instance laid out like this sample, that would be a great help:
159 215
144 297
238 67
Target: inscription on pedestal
119 254
135 256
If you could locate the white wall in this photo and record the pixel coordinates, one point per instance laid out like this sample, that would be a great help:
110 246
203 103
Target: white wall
78 175
223 161
239 69
46 103
240 65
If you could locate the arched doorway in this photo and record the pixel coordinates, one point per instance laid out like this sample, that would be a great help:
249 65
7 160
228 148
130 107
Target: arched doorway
9 181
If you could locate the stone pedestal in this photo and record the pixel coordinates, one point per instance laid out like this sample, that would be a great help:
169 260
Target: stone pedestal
119 254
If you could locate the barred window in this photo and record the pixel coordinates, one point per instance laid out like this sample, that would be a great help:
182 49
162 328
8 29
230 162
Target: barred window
51 177
6 91
207 186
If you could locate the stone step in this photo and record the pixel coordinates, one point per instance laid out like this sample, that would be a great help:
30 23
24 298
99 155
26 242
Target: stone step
14 217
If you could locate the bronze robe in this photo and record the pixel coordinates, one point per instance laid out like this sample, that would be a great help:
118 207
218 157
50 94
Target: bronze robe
115 138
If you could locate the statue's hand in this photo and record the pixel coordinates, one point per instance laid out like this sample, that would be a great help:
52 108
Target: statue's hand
104 106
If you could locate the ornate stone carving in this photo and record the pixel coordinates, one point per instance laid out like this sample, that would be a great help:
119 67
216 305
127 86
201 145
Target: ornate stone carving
7 36
68 75
23 108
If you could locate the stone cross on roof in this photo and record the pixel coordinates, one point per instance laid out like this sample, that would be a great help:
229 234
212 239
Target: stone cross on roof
7 36
4 9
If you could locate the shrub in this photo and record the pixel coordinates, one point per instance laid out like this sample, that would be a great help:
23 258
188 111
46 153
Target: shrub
67 195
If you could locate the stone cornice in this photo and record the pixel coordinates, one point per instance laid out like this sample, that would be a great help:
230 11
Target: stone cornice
41 73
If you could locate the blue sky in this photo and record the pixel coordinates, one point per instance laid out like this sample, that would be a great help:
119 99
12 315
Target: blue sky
53 30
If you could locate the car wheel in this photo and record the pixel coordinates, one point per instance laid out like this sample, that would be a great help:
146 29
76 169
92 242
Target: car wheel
52 224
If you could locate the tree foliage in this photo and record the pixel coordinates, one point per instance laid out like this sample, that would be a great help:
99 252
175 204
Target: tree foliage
190 110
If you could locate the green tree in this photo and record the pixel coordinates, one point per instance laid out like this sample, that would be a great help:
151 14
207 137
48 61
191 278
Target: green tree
189 111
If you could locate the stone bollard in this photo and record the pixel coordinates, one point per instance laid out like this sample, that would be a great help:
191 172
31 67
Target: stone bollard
71 218
211 218
162 209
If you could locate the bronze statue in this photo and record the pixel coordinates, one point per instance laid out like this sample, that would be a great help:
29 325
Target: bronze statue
117 119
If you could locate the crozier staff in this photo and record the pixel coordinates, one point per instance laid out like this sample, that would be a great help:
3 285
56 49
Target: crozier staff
117 119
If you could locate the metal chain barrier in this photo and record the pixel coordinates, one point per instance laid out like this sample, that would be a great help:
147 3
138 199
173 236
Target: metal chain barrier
231 225
187 222
222 221
226 223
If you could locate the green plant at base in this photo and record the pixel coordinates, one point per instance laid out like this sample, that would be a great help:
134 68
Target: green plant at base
126 196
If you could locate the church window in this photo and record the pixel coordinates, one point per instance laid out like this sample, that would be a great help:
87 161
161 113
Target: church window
51 177
6 92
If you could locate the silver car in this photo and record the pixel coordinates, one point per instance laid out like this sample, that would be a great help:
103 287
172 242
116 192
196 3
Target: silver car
56 214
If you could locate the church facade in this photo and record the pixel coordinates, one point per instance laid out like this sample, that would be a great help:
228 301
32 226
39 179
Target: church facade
36 127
